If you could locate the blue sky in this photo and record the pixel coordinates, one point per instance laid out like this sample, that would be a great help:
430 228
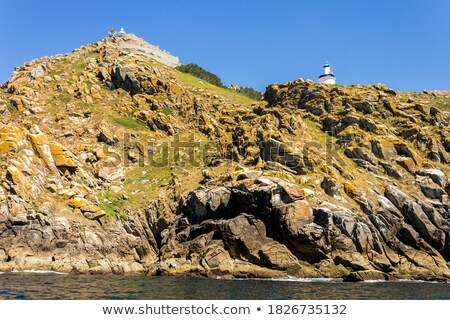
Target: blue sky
405 44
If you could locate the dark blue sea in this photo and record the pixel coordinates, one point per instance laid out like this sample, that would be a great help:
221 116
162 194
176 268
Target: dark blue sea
140 287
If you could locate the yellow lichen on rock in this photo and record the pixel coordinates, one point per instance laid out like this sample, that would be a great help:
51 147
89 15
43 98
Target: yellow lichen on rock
62 156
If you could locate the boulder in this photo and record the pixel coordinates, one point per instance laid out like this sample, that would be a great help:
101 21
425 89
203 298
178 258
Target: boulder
418 219
368 125
350 259
277 151
103 74
294 215
19 220
123 77
108 169
331 187
364 107
311 241
407 163
40 144
217 257
362 237
250 174
361 153
206 204
408 235
436 175
392 171
344 221
289 191
323 217
62 156
446 144
404 150
245 237
21 183
387 205
397 197
383 149
431 190
107 137
37 72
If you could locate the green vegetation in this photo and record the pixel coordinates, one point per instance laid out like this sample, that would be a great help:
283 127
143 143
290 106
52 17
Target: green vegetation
195 85
166 110
442 103
248 92
128 122
213 79
88 83
58 67
437 101
57 102
78 66
11 107
201 73
110 206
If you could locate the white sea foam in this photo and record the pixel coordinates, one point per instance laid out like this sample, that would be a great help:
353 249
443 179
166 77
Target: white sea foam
38 271
292 279
424 281
327 280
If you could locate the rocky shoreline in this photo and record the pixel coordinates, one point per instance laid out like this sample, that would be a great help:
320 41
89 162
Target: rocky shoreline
256 227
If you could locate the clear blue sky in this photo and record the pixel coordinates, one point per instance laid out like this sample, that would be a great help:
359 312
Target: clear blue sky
405 44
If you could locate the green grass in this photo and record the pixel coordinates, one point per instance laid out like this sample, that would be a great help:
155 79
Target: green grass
112 205
140 187
11 107
108 207
88 83
129 123
148 176
435 101
226 93
166 111
60 66
59 101
443 104
79 66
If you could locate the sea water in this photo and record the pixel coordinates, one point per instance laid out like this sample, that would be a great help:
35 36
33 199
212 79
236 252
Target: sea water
40 285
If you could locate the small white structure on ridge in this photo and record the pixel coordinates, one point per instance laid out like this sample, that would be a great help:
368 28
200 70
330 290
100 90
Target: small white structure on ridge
327 77
122 32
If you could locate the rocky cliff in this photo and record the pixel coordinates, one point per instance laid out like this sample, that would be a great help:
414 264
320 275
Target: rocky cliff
112 162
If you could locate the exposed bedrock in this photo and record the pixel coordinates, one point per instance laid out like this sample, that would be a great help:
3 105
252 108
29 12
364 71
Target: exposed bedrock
266 221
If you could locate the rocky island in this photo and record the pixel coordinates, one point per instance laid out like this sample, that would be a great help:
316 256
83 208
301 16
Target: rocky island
113 161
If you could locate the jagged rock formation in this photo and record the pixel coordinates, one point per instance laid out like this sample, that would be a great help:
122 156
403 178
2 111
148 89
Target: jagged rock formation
132 43
113 162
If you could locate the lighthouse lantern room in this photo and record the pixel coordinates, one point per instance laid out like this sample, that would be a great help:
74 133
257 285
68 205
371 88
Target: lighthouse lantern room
327 77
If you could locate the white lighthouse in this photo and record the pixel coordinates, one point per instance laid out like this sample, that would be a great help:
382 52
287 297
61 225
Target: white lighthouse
327 77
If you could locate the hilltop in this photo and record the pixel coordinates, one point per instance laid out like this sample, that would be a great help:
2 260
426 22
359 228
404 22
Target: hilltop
114 161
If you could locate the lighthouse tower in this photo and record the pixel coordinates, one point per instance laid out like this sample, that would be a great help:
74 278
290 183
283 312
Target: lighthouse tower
327 77
122 32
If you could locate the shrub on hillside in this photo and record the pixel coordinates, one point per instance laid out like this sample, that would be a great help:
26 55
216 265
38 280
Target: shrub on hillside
249 92
201 73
